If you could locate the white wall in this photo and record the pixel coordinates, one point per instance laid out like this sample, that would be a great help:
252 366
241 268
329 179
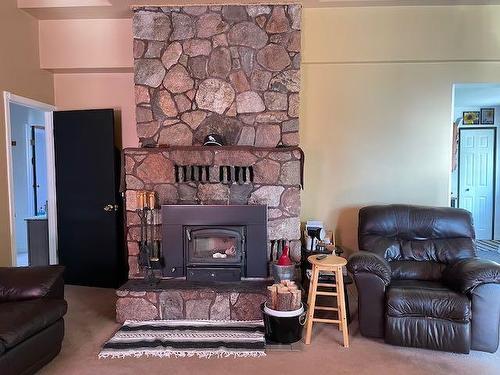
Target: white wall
20 118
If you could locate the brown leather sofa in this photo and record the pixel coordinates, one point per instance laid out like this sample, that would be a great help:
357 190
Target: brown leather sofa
419 282
32 307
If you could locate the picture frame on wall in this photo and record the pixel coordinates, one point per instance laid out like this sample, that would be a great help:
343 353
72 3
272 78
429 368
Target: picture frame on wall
471 117
487 116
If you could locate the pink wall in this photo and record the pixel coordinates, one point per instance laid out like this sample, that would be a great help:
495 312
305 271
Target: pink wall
86 44
93 63
100 90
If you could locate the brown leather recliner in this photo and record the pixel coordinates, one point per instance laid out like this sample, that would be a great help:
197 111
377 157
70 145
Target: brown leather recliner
419 282
32 307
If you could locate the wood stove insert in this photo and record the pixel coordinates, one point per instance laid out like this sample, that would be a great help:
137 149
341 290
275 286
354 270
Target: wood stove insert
214 243
215 252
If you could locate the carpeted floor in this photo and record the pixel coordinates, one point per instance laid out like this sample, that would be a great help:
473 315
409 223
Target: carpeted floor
90 322
487 249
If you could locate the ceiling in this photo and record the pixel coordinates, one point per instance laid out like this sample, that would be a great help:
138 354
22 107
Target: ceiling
69 9
477 94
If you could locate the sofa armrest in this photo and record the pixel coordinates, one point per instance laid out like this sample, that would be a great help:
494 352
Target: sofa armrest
467 274
366 262
25 283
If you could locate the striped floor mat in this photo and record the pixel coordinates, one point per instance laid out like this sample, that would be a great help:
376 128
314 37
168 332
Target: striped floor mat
187 338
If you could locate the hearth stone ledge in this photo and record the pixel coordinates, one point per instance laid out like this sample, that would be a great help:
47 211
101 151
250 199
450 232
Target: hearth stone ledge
180 299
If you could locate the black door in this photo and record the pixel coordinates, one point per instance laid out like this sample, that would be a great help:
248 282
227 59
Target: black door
89 215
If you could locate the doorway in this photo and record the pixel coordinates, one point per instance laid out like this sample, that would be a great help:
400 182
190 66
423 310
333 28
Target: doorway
476 177
31 180
475 174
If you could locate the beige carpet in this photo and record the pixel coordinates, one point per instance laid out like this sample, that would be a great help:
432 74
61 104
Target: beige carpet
89 323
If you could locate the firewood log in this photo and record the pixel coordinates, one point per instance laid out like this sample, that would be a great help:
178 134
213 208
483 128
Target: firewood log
284 302
296 299
272 296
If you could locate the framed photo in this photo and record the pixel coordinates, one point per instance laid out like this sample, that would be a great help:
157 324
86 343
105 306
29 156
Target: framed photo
471 118
487 116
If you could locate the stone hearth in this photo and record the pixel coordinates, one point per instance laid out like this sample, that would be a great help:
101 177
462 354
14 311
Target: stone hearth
179 299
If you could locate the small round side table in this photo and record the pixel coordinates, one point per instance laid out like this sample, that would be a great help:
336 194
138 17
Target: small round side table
330 263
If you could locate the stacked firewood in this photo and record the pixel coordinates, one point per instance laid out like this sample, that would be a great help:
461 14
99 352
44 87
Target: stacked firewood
285 296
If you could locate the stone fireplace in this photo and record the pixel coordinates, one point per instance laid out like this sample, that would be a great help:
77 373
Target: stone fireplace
228 70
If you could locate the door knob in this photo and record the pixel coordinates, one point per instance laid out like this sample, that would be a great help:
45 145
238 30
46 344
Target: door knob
111 207
467 189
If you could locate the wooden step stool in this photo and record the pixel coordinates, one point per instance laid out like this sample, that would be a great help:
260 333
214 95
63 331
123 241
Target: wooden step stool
331 263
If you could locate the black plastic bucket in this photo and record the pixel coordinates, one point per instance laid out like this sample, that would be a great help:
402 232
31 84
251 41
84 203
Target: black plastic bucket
283 330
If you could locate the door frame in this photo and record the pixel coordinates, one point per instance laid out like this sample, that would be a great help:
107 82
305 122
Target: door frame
9 99
494 128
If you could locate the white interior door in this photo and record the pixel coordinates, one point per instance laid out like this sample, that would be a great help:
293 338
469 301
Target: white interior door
476 168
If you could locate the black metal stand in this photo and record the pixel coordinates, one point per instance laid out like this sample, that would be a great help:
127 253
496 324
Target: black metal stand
149 248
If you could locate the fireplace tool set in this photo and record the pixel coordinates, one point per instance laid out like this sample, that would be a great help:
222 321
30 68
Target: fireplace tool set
149 246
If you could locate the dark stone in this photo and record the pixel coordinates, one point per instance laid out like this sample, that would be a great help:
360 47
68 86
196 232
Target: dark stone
187 194
143 114
198 66
219 64
221 308
287 81
225 126
183 27
139 48
167 194
247 58
260 80
163 105
296 61
247 34
198 309
210 24
154 49
135 309
213 194
172 304
278 22
151 26
273 57
149 72
247 307
234 13
290 201
239 194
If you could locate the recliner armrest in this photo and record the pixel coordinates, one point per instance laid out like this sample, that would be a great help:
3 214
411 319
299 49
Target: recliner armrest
467 274
23 283
364 261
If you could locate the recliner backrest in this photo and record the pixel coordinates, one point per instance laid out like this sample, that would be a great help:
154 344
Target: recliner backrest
406 235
